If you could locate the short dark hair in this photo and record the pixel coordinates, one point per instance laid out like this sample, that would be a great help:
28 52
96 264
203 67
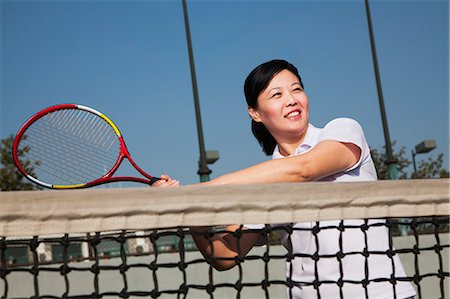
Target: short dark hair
256 82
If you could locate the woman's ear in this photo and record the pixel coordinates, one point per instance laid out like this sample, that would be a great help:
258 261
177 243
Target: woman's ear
254 114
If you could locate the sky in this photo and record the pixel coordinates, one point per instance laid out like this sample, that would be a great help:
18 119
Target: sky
129 60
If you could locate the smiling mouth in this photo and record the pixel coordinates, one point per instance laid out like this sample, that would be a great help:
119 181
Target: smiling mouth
293 114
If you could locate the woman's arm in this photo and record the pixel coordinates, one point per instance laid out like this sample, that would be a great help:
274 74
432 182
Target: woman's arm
224 248
326 158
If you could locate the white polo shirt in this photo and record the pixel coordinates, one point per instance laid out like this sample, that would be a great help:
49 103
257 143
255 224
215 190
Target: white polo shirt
327 240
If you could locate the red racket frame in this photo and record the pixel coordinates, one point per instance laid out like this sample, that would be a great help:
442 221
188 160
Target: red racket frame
107 178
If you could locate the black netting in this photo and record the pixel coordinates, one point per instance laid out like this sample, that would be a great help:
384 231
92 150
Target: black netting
164 263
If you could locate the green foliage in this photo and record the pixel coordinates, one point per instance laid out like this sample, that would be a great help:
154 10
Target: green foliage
432 168
10 177
379 159
427 169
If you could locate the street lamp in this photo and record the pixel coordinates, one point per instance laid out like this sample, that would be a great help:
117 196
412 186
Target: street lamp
212 157
422 148
203 170
391 162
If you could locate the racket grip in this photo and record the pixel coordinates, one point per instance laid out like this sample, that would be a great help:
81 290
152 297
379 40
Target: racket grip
154 180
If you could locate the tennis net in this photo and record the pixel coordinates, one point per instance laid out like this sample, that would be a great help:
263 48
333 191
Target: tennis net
132 243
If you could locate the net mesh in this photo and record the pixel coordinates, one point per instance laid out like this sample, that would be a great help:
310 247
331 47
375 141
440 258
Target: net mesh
163 262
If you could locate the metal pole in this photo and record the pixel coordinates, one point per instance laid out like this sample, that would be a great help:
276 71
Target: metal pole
391 162
414 163
203 170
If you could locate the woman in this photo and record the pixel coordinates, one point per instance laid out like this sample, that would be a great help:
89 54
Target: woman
278 106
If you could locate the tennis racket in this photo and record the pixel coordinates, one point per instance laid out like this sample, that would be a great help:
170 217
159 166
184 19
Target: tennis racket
71 146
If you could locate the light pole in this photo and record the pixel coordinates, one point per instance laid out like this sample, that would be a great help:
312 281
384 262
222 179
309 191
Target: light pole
422 148
391 162
203 170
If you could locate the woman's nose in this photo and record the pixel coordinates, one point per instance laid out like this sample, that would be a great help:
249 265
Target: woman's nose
290 100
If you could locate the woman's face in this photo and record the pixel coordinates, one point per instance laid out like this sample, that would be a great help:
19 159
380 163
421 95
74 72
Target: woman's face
283 107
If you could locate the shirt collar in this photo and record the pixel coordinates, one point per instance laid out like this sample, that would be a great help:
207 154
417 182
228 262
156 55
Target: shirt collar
308 142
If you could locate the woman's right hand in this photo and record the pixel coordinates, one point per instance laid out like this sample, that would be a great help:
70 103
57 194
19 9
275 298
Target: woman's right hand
166 181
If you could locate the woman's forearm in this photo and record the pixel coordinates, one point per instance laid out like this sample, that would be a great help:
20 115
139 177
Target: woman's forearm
272 171
325 159
223 248
214 248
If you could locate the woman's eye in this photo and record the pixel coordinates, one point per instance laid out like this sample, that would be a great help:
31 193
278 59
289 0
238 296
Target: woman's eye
276 95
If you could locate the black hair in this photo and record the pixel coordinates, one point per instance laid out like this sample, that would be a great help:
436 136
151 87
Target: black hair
256 82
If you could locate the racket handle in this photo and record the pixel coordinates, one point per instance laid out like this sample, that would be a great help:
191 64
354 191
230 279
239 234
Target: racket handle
154 180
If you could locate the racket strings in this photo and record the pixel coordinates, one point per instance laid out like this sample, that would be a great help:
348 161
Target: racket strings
70 147
88 150
82 132
48 173
74 140
64 164
83 125
44 153
73 159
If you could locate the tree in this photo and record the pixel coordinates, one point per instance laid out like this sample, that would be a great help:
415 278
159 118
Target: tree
10 177
431 168
379 159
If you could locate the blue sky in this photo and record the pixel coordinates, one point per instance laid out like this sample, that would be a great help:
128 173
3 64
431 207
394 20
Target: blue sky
129 60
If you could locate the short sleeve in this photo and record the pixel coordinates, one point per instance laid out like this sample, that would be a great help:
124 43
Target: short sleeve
346 130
